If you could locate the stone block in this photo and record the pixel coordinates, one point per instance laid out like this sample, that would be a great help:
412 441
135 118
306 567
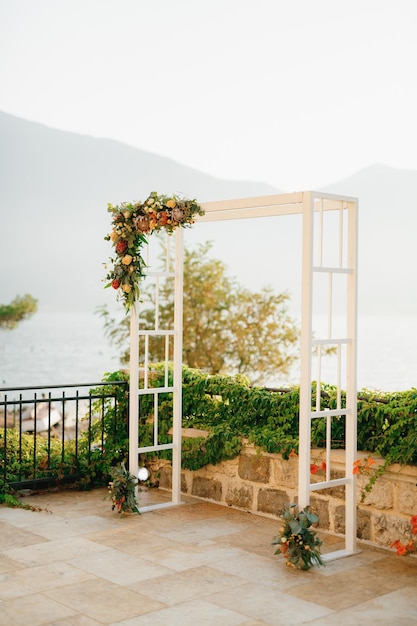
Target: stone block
284 472
165 477
254 467
207 488
224 468
321 508
332 492
381 495
158 468
240 497
389 528
407 498
272 501
339 519
184 484
363 524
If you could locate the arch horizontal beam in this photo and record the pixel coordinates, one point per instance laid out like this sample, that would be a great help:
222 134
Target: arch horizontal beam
268 206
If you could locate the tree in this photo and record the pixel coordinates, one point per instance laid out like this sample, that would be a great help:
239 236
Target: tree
263 337
227 328
19 309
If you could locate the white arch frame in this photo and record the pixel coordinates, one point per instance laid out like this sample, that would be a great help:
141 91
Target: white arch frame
313 206
176 388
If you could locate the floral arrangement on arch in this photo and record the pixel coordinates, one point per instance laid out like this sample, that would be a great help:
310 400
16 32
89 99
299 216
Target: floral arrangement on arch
132 222
298 543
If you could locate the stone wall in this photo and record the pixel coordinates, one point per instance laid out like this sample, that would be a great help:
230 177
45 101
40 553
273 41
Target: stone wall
265 483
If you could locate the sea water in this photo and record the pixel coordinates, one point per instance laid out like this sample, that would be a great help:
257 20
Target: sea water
386 353
56 348
65 348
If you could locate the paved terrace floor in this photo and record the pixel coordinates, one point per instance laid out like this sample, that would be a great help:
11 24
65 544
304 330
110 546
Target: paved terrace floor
76 562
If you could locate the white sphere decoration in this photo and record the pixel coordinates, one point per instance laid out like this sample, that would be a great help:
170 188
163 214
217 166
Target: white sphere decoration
143 474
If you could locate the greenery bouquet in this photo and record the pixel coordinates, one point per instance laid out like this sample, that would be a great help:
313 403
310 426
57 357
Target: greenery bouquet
122 490
299 545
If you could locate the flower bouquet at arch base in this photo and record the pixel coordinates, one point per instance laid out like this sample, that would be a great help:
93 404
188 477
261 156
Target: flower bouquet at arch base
122 489
297 542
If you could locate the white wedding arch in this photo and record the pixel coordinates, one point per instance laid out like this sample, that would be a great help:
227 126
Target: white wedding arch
329 276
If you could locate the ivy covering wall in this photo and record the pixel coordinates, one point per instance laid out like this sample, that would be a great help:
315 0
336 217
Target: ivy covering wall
231 411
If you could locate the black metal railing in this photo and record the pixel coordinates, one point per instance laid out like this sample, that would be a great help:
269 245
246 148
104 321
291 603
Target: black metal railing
37 424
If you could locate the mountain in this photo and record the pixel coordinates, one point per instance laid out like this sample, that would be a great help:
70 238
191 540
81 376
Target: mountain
387 237
54 190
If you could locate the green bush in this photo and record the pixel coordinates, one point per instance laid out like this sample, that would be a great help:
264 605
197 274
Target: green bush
29 458
230 410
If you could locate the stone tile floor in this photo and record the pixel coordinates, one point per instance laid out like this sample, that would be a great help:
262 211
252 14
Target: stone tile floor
76 562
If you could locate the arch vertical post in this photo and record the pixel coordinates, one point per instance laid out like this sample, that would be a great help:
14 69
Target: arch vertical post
172 271
177 374
351 378
305 366
327 253
133 391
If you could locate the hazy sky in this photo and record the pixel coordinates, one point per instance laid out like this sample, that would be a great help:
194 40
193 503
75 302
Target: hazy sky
297 93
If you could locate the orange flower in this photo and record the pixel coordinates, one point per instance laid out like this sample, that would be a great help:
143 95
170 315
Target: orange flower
323 466
314 468
369 461
163 219
413 521
119 502
402 550
358 468
411 546
292 453
127 259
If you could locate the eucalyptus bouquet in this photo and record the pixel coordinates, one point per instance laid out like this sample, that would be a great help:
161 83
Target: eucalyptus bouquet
298 543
